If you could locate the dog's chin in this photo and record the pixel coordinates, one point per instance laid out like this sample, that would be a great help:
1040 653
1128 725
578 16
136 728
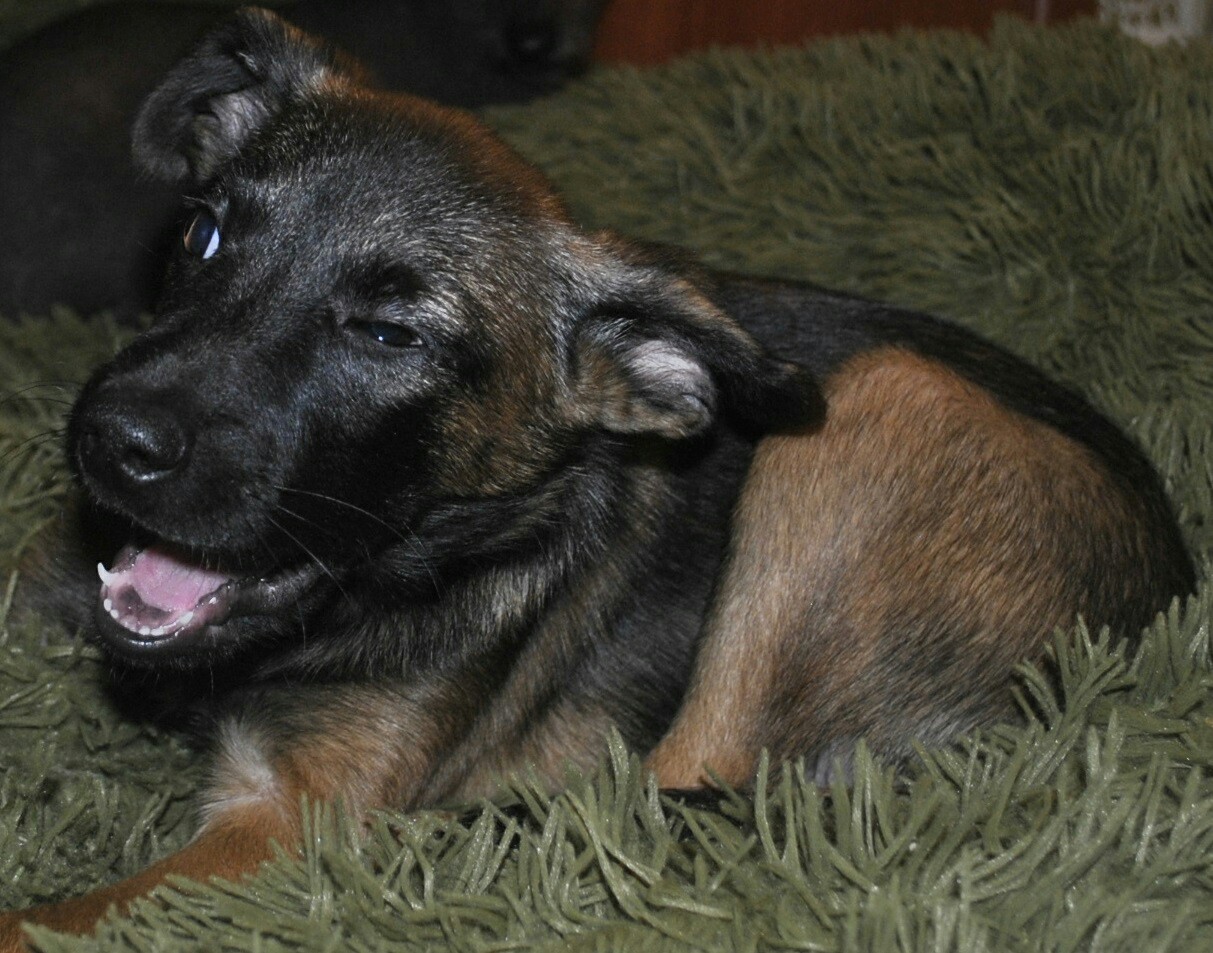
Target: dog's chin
156 605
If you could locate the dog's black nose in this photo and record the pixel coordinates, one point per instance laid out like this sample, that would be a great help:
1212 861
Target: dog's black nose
530 41
133 441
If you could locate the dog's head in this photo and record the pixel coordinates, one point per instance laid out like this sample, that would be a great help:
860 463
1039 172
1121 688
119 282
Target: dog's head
380 335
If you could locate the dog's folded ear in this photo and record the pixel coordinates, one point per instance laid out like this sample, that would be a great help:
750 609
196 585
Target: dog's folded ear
237 77
655 355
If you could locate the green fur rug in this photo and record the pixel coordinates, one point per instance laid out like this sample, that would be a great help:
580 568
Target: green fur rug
1052 189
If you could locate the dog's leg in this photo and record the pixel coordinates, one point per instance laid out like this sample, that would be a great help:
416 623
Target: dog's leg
362 747
889 570
231 844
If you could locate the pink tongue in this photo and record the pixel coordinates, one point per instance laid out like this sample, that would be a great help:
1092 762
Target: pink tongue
165 582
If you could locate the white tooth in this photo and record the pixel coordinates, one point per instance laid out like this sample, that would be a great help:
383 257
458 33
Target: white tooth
185 619
144 630
158 631
109 606
105 575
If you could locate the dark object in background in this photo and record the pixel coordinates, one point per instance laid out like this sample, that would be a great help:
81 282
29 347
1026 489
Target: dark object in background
79 226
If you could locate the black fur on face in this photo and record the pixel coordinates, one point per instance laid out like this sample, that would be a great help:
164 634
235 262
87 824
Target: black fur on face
382 356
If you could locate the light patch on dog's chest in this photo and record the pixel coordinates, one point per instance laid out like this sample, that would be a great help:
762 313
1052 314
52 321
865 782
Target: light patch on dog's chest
243 775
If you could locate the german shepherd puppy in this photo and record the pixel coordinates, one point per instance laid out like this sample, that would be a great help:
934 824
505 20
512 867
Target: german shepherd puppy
442 487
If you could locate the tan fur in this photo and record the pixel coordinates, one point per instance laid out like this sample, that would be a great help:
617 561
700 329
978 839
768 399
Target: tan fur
917 481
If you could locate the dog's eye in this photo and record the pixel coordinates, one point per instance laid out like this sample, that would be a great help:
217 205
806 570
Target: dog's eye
387 332
202 237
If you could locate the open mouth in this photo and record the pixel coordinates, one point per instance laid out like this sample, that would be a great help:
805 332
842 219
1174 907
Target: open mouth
157 600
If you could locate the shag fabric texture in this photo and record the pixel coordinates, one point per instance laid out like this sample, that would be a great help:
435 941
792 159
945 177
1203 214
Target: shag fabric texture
1053 189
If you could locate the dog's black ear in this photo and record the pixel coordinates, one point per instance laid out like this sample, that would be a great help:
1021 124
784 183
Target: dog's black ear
655 355
238 76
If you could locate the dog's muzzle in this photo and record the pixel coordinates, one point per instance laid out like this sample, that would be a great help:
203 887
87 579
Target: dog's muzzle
139 455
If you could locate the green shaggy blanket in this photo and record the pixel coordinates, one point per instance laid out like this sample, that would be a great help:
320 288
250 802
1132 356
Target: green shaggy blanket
1052 189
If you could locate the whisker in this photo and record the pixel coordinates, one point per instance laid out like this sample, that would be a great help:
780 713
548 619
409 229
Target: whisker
36 385
269 552
22 445
307 521
348 505
35 394
311 555
409 540
61 401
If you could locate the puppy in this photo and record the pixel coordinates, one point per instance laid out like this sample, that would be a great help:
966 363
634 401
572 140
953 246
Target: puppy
79 228
440 488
